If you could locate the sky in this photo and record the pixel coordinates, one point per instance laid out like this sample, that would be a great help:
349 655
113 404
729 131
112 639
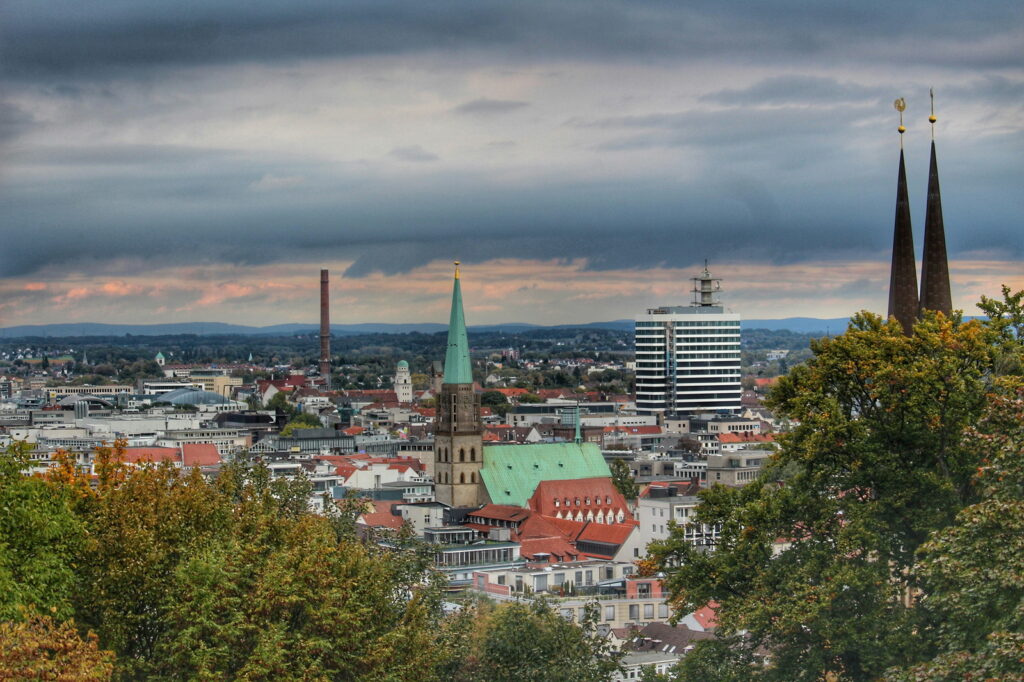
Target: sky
202 160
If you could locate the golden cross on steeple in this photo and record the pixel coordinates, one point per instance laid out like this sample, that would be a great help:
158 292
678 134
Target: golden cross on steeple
932 119
900 104
456 269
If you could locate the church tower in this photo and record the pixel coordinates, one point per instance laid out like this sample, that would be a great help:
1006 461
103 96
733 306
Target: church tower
403 382
935 294
458 431
903 302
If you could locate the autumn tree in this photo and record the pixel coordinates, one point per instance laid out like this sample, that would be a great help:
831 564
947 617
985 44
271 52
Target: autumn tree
38 647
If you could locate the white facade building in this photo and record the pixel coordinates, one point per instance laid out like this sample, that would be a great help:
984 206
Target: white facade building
403 383
688 357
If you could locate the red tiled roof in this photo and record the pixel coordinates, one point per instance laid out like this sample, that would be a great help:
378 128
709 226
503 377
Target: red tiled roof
613 534
353 430
199 454
137 455
583 495
502 512
557 548
381 516
507 392
706 615
745 437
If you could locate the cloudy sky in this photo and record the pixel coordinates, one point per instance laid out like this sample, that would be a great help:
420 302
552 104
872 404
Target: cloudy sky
201 160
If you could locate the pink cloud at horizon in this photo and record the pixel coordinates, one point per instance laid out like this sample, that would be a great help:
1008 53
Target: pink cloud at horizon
499 290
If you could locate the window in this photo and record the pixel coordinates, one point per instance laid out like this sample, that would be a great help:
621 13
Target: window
634 612
462 454
462 477
472 454
662 610
648 611
609 613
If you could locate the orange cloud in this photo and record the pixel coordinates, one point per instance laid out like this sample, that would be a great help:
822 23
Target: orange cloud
35 286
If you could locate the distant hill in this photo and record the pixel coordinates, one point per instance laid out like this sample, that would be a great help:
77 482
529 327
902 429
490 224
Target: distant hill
796 324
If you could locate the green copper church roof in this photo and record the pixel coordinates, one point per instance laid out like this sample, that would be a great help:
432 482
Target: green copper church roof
457 369
512 473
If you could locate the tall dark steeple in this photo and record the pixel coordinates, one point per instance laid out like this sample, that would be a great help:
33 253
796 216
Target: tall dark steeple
903 304
935 293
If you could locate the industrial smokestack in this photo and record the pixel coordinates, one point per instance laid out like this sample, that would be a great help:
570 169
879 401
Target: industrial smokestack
325 328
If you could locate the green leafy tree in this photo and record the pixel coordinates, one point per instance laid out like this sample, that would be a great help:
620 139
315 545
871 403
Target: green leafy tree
39 537
303 420
875 466
530 642
969 574
622 479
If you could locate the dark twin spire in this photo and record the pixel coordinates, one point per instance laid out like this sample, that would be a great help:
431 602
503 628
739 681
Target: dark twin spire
935 294
904 303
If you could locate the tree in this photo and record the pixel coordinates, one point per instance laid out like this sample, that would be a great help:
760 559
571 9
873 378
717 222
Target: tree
527 642
302 420
622 479
39 538
874 467
40 648
970 573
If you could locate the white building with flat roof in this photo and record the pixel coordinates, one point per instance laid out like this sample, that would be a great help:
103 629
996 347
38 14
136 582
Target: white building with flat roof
688 357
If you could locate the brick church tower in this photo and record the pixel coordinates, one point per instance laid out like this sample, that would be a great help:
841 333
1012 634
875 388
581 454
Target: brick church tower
458 431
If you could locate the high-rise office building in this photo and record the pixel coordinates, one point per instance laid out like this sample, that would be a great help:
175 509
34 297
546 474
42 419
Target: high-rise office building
688 357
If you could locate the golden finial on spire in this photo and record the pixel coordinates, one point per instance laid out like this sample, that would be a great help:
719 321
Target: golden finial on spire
900 104
456 269
932 119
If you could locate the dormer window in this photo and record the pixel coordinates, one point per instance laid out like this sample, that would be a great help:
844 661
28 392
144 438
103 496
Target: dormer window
556 501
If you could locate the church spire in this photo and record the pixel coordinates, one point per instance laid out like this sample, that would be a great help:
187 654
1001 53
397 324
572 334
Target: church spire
903 302
457 369
935 293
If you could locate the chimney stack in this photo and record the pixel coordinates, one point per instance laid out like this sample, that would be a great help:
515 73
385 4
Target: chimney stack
325 328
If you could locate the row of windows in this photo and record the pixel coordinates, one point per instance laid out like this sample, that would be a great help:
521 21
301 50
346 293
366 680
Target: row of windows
691 323
446 479
443 455
586 500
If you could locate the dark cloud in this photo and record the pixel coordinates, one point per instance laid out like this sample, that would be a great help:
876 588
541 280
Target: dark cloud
487 107
68 37
413 153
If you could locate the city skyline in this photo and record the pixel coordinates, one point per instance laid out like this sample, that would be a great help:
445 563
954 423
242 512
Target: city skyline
581 160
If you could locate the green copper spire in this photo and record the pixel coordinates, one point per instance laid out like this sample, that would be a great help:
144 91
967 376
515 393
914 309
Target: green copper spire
457 369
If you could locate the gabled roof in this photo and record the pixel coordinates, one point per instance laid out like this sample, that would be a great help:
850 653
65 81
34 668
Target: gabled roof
586 495
706 616
199 455
382 516
511 473
151 454
502 512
